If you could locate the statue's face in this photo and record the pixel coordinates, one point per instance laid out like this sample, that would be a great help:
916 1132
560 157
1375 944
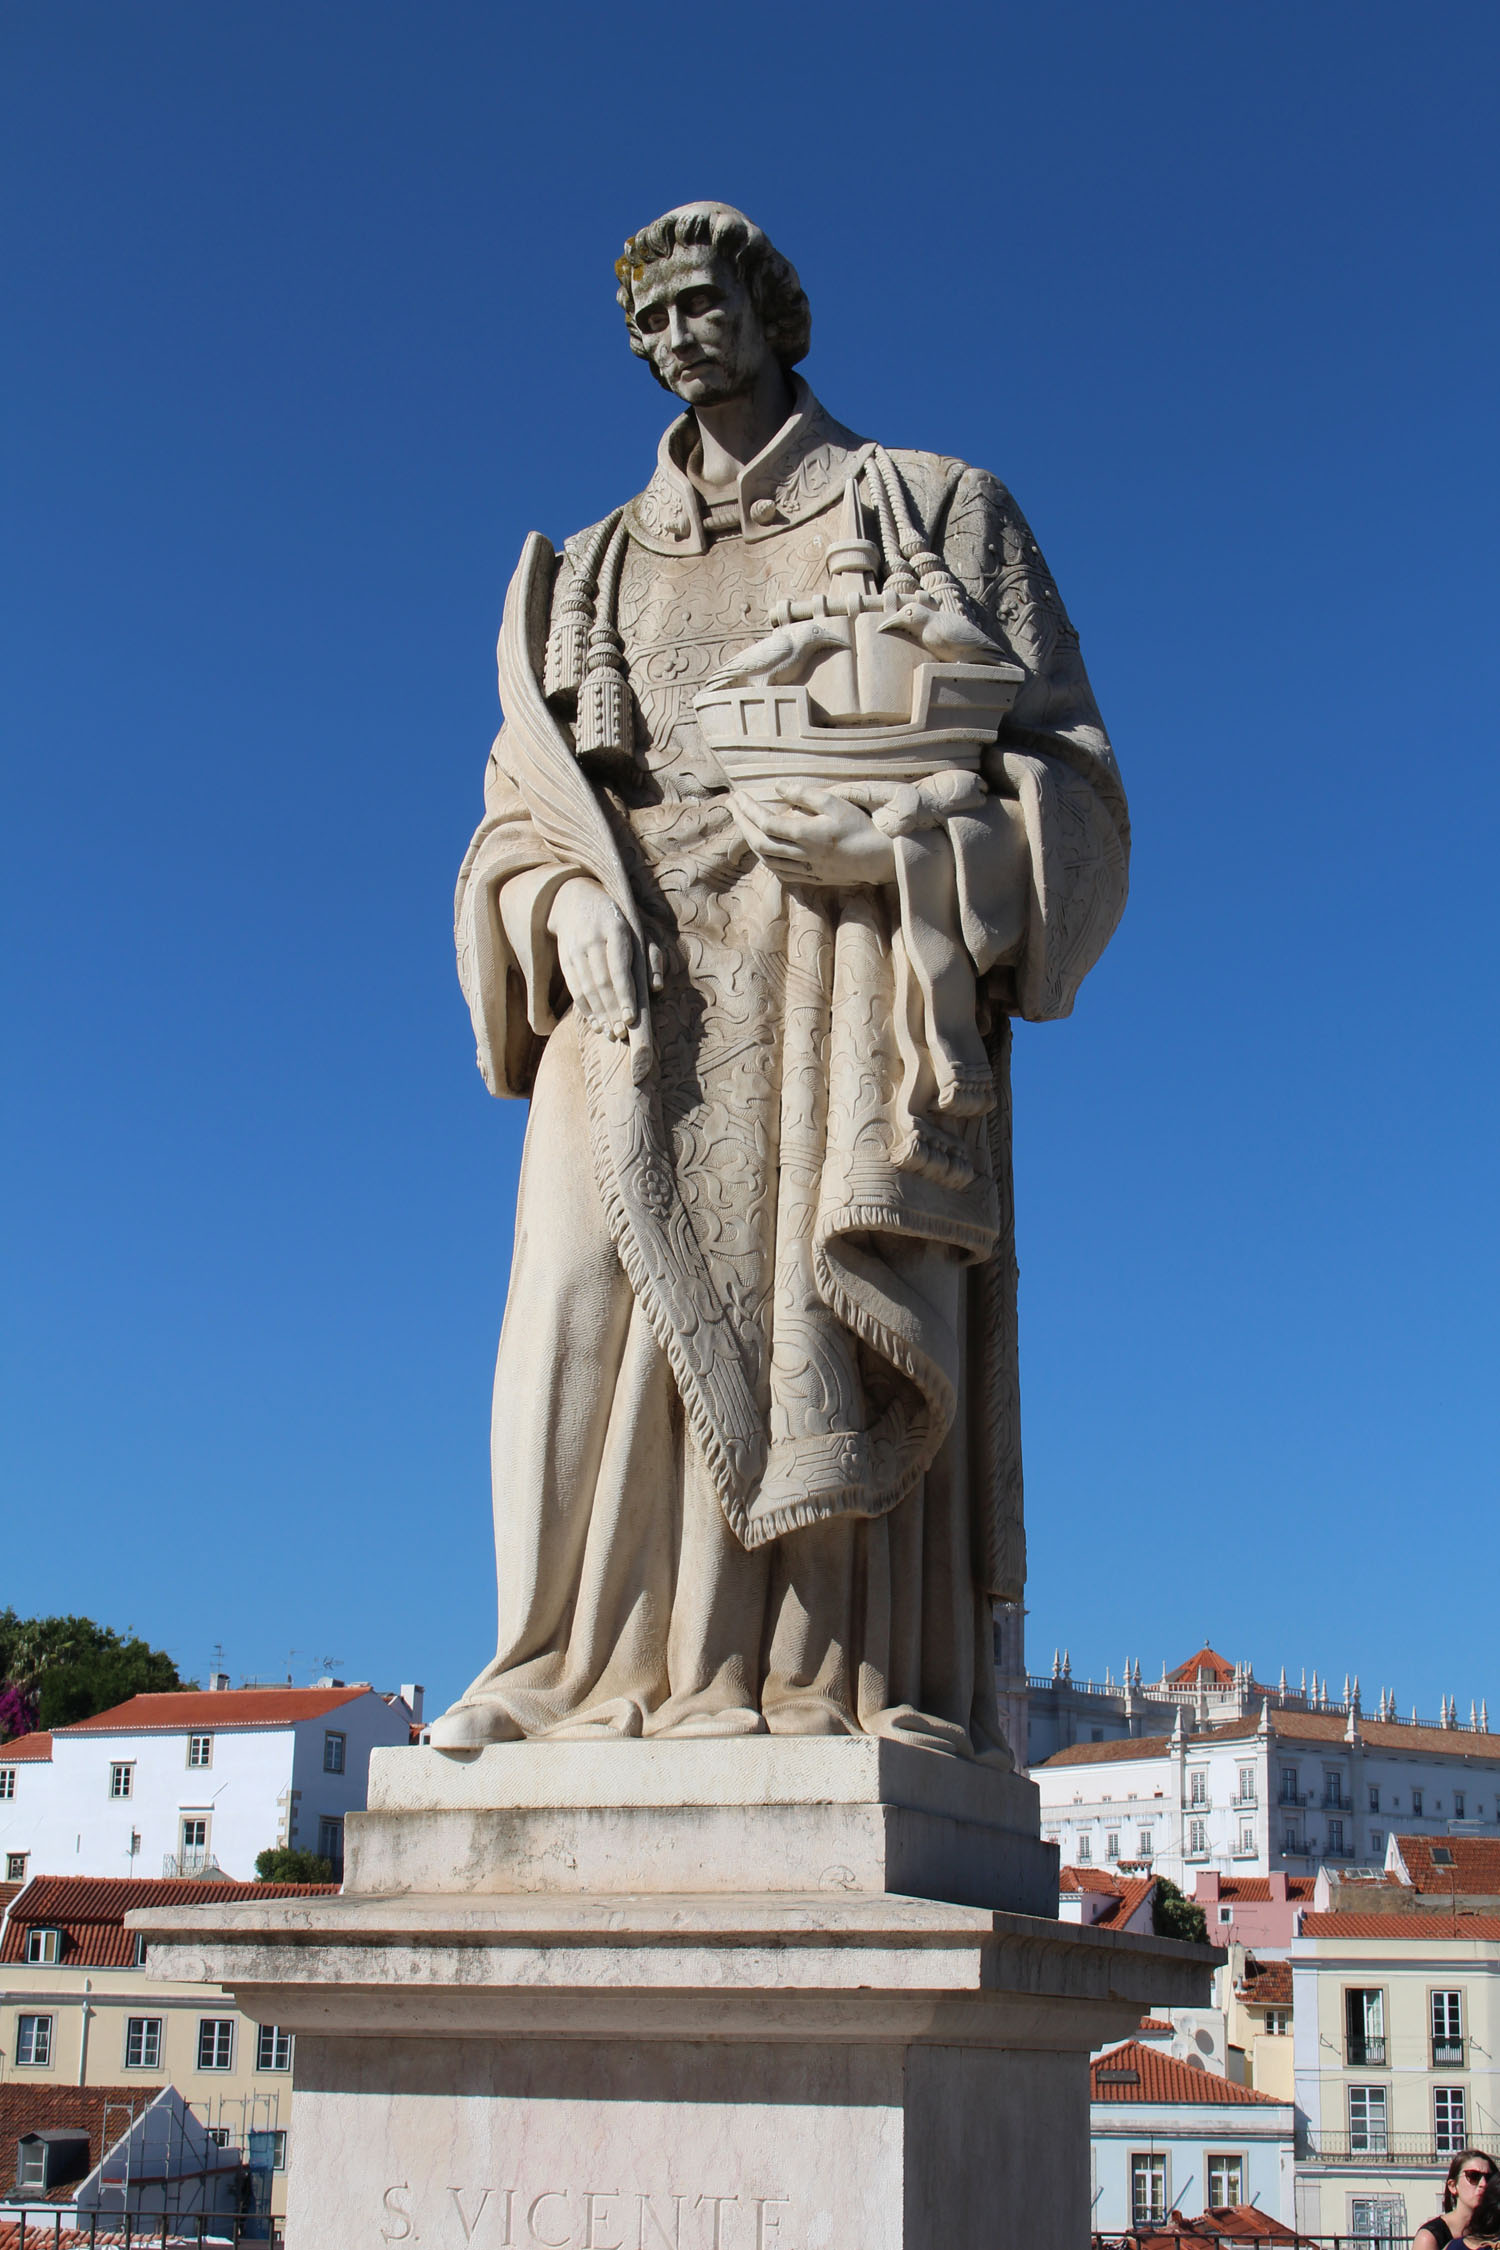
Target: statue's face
696 319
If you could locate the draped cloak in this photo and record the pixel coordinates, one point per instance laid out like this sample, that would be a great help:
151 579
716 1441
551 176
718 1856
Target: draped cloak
756 1429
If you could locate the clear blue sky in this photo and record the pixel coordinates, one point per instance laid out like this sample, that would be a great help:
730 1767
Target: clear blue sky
310 320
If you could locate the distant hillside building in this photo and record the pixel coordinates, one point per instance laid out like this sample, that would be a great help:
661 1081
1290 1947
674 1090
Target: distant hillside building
1286 1789
1165 2136
195 1782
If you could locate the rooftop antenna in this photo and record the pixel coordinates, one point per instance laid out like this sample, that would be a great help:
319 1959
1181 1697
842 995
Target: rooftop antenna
329 1662
291 1658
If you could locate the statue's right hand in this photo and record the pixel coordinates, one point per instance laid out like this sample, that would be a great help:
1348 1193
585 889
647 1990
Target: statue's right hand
594 953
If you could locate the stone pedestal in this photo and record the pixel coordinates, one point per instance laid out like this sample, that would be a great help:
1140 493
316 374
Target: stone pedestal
606 1997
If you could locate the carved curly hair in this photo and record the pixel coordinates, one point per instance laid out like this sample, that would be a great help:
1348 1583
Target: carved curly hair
776 293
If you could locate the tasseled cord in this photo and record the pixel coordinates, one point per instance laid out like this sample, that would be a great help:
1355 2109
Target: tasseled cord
909 559
605 726
568 641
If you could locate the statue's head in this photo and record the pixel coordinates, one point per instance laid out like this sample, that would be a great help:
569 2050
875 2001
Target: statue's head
708 300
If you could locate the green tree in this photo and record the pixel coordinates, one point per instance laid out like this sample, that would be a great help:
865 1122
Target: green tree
283 1865
68 1668
1172 1915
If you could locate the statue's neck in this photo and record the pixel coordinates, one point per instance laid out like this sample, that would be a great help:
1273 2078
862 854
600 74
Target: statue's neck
733 430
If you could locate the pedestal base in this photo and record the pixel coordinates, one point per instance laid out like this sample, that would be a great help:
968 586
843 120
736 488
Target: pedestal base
709 2073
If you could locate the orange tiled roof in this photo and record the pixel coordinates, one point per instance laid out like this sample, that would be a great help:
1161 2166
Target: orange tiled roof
103 2112
1207 1660
22 1747
1129 1899
1430 1928
1254 1890
90 1911
1155 2024
1475 1865
1293 1726
1086 1879
184 1708
1159 2078
1266 1984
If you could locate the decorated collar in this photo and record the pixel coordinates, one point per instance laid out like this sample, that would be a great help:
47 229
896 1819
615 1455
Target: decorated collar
801 472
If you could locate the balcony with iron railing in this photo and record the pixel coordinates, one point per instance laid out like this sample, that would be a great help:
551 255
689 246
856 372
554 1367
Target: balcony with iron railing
1447 2054
1364 2050
1417 2150
193 1859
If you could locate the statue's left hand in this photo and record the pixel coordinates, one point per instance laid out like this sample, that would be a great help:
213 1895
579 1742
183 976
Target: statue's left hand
808 835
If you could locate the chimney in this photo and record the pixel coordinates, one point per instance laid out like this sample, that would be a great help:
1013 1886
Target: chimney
1277 1881
218 1682
412 1698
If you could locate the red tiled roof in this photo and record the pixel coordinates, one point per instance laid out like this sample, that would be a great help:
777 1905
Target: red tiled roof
1474 1867
103 2112
1266 1984
1086 1879
90 1911
1429 1928
1207 1660
1294 1726
8 1891
22 1747
1155 2024
1160 2078
1255 1890
1129 1899
1107 1753
1225 2224
184 1708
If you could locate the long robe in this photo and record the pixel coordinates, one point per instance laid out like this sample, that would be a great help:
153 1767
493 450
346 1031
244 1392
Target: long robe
756 1426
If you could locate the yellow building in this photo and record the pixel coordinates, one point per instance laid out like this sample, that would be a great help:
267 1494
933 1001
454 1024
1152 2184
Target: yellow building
1396 2027
76 2010
1258 2021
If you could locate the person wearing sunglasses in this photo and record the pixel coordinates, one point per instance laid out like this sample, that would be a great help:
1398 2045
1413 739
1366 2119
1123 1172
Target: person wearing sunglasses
1471 2203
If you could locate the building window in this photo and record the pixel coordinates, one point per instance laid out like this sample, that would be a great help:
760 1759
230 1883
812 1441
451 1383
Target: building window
1374 1798
216 2043
43 1945
15 1867
1333 1788
331 1843
1197 1838
1367 2120
141 1942
1143 1844
1278 2023
1112 1843
1226 1913
278 2150
193 1853
1247 1835
1377 1842
1148 2189
7 1781
1289 1792
1459 1801
1447 2031
1085 1847
216 2135
1226 2180
1449 2125
1364 2027
1377 2218
143 2043
1247 1785
1197 1788
1416 1803
200 1749
34 2042
273 2048
333 1753
1336 1839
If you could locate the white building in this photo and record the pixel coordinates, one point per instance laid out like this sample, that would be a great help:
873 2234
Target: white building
1286 1789
193 1781
1167 2136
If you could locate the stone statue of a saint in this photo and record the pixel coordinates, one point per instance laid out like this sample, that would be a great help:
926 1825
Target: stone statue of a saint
801 797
